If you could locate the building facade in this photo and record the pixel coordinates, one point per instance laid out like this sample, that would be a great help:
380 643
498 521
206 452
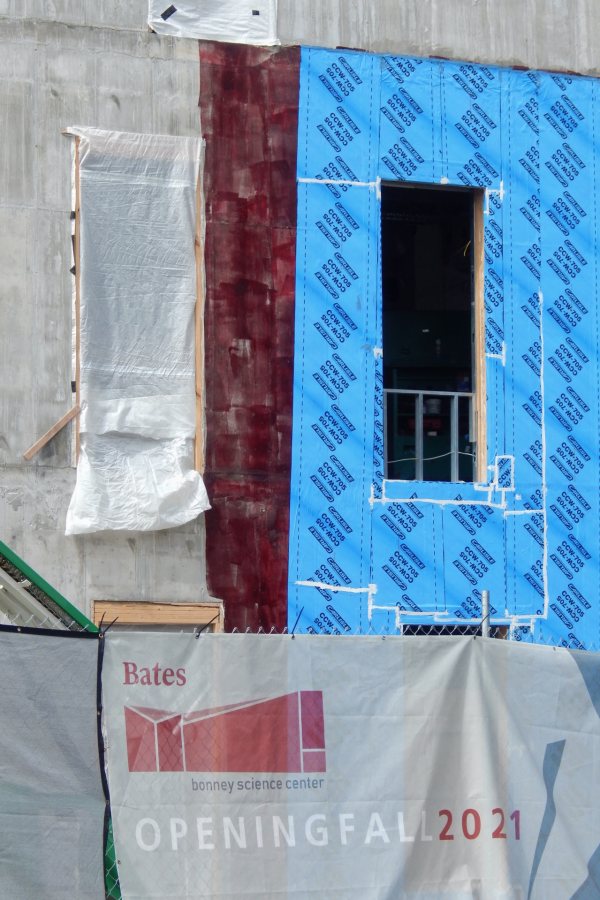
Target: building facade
331 510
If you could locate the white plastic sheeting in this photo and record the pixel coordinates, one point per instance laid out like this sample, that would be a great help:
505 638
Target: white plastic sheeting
234 21
137 352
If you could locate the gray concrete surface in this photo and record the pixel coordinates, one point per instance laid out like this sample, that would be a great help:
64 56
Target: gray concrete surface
116 14
74 71
545 34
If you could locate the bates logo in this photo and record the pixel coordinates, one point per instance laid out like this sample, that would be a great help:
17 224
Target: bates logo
134 674
284 734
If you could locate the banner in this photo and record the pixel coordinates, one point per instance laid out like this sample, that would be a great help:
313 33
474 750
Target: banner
51 798
352 767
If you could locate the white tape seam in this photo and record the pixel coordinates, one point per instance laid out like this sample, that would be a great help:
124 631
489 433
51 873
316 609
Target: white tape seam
371 589
496 468
499 191
488 488
370 184
444 618
544 486
501 356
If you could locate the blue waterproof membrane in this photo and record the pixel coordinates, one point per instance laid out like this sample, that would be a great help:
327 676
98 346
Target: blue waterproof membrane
400 551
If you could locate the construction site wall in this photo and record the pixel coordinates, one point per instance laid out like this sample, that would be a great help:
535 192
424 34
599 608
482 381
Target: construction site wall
88 65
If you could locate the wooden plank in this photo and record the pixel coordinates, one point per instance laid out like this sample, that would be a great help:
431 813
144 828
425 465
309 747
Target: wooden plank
480 405
77 262
58 426
199 454
147 613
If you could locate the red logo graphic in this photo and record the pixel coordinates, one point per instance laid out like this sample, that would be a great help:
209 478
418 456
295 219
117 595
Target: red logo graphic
284 734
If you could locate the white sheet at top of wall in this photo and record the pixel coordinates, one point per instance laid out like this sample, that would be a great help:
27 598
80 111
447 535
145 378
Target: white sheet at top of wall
233 21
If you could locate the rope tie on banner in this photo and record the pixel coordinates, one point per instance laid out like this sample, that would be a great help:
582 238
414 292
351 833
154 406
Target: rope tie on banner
103 629
292 632
200 628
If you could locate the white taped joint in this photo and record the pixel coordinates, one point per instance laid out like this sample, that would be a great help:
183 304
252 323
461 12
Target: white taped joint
500 192
376 185
501 356
371 589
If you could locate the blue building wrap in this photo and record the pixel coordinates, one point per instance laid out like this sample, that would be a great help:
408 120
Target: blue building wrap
370 552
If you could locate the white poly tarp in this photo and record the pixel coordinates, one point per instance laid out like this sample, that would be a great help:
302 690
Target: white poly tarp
137 352
233 21
357 768
51 798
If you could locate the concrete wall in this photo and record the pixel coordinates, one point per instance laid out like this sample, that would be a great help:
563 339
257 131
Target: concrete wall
98 65
545 34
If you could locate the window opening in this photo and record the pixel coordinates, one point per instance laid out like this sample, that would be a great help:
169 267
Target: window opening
430 244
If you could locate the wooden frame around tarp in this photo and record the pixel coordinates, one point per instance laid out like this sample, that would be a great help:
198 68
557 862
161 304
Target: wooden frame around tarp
52 432
73 413
76 260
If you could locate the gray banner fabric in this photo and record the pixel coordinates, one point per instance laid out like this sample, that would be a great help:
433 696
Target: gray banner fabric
354 768
51 797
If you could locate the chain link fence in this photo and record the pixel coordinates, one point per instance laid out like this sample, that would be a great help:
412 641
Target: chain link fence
111 874
536 634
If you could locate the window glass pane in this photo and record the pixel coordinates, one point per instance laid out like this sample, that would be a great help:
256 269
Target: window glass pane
401 436
437 446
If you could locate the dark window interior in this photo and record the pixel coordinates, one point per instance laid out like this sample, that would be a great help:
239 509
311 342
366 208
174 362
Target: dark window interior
427 280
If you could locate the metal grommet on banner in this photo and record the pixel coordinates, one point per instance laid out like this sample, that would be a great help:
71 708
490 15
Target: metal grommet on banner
104 628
